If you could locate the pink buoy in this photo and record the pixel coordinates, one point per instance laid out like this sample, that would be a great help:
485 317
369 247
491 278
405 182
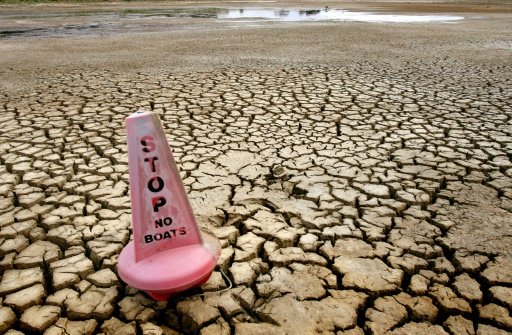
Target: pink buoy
168 253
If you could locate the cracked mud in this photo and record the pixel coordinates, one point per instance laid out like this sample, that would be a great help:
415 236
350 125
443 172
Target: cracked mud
360 199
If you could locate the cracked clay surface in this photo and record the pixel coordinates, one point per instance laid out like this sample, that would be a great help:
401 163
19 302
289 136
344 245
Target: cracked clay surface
352 196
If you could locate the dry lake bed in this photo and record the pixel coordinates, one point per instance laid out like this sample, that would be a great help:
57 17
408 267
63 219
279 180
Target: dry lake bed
353 158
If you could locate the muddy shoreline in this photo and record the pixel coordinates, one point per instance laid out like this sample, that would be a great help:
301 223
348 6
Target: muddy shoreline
195 43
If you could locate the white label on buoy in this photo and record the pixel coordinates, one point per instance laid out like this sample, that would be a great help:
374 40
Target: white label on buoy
162 217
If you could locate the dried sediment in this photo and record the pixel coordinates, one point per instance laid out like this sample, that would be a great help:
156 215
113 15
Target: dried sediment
361 199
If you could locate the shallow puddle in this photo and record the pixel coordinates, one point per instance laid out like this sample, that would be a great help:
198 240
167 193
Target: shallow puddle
330 15
30 24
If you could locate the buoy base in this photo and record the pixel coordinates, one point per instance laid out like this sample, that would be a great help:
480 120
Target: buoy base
168 272
165 295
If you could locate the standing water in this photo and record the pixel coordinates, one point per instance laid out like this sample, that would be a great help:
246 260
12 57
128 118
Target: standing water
71 23
329 15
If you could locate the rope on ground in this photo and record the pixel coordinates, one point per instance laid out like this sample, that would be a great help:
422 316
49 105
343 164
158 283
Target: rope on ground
230 286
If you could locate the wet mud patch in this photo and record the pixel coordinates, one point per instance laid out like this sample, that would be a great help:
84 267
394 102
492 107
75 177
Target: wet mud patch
67 30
